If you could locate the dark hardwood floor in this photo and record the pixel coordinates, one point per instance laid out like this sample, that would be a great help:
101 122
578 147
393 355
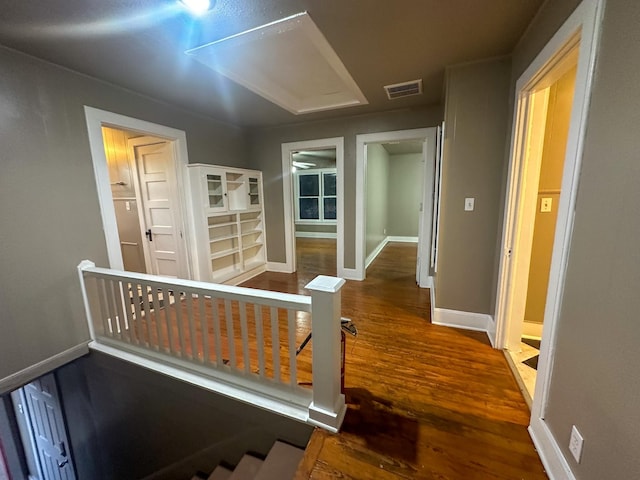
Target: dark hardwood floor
424 401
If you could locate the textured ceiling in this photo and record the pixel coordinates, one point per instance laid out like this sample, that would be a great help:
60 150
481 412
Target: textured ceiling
140 45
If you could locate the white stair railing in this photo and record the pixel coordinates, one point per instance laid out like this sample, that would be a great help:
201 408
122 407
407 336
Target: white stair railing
240 342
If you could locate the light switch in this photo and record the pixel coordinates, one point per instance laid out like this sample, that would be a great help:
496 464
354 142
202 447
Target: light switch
545 204
469 204
127 205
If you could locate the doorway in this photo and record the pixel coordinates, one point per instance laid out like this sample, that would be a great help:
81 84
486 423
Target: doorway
144 183
145 198
427 138
315 209
541 191
574 45
394 187
33 433
313 188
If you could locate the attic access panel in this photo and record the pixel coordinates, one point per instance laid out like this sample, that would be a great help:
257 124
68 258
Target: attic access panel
289 62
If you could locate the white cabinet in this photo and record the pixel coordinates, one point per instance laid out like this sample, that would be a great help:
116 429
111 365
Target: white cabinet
228 219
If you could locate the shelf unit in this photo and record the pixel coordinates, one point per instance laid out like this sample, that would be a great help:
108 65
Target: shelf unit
228 217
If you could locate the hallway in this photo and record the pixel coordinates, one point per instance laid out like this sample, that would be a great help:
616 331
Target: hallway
424 401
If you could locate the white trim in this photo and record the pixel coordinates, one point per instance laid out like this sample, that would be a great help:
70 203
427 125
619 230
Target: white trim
376 251
461 319
316 235
350 274
288 200
278 267
95 120
402 239
422 134
270 89
555 464
437 195
16 380
319 172
585 20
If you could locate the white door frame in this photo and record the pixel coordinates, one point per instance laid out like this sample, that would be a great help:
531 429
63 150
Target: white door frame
425 135
96 119
287 196
584 21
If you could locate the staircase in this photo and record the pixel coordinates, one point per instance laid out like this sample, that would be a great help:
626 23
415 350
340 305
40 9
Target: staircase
281 463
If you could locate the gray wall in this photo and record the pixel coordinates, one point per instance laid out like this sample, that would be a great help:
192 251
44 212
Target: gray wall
128 422
48 201
476 122
265 154
405 194
595 383
377 197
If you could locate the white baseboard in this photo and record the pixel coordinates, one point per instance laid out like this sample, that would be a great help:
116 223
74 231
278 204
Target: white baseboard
279 267
372 256
549 451
532 329
350 274
402 239
316 235
491 331
460 319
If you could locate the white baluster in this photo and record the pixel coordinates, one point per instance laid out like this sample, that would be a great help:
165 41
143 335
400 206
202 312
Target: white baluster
291 324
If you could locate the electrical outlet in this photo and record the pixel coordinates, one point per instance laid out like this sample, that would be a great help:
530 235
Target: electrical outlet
575 443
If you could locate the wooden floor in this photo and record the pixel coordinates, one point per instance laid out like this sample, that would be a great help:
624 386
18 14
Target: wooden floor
424 401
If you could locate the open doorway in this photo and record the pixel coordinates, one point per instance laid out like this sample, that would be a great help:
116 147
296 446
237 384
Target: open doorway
394 195
560 77
367 240
139 171
541 191
315 210
145 199
312 178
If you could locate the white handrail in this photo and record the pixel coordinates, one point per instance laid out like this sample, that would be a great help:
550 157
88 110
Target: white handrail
196 330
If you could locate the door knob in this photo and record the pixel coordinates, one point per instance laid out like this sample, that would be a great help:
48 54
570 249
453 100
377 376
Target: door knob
149 235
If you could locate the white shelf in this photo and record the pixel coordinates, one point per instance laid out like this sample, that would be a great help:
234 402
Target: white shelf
224 253
252 245
226 224
240 231
220 239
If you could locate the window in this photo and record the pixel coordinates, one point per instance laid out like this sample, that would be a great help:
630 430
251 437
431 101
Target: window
315 192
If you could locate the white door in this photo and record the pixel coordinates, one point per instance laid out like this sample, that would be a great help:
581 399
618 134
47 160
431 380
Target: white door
44 413
165 249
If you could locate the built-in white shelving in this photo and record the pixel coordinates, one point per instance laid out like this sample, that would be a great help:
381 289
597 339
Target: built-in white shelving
228 217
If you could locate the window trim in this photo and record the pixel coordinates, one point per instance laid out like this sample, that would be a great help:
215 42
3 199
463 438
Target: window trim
319 172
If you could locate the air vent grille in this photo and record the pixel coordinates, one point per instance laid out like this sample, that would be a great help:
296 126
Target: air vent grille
404 89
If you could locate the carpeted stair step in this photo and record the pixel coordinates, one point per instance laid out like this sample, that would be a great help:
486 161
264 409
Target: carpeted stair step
281 462
220 473
247 468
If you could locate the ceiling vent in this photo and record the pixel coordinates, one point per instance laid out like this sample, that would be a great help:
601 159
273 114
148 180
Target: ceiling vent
404 89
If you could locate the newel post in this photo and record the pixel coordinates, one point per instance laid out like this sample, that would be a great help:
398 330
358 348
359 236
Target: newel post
328 407
82 266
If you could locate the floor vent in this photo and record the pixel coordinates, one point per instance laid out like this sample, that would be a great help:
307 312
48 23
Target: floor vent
404 89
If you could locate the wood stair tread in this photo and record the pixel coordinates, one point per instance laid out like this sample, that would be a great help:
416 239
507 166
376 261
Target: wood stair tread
281 462
247 468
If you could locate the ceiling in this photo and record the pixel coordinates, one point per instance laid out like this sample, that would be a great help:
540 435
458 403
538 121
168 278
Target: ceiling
140 45
402 148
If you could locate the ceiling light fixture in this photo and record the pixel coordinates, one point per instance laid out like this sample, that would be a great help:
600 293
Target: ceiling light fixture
197 7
